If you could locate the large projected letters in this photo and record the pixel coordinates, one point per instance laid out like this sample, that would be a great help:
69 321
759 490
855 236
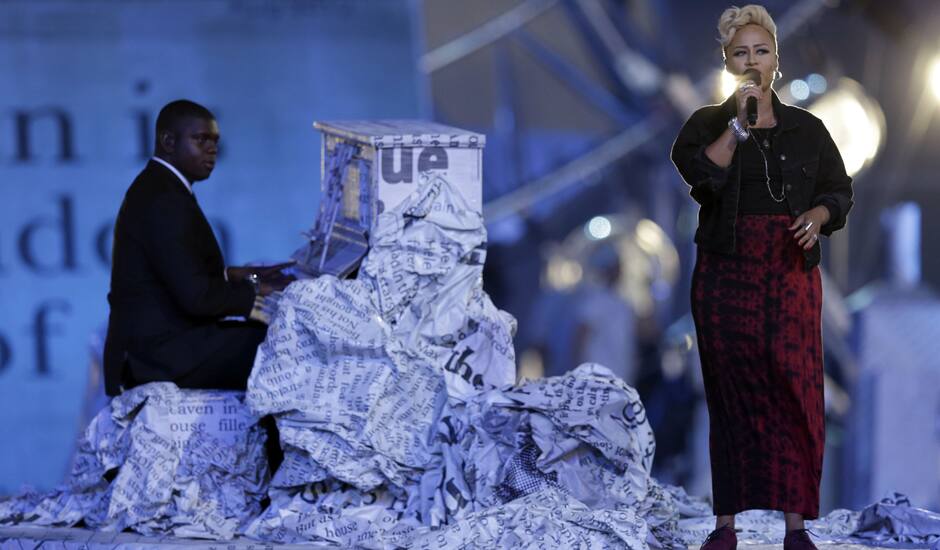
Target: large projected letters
23 129
63 226
81 83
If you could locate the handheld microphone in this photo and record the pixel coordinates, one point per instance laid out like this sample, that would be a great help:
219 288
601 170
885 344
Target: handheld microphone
751 106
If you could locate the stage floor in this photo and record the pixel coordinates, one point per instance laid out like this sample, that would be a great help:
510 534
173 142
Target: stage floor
65 538
20 537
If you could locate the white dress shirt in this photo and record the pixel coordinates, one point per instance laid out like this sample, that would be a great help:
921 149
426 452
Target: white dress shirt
189 186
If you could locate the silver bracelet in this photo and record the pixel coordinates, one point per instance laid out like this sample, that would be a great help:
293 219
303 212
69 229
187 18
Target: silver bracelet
740 133
255 281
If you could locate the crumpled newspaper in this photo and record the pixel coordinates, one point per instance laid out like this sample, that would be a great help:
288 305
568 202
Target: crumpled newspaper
582 437
548 518
394 398
579 445
585 431
185 462
894 520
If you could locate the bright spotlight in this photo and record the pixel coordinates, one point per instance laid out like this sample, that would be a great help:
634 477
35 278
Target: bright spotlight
727 84
598 228
799 89
855 121
649 236
817 83
563 273
934 77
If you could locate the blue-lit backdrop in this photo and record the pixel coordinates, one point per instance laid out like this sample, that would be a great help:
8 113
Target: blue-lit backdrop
80 86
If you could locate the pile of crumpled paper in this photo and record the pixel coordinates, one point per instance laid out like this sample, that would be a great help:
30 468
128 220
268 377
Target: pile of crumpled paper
160 460
394 398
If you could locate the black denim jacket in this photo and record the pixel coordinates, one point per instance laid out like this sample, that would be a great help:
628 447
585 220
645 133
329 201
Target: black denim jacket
813 173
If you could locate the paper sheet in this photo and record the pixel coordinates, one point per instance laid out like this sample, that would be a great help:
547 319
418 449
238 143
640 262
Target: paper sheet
189 463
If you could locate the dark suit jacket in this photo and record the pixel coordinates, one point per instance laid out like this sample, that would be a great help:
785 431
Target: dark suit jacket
168 289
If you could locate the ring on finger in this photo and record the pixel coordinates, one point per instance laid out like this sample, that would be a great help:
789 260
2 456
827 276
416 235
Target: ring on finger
746 84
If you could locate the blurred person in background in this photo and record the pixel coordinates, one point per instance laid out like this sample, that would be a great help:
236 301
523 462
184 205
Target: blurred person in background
604 324
766 191
590 323
550 329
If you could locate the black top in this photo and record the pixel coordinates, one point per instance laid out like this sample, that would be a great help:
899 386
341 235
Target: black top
755 198
812 170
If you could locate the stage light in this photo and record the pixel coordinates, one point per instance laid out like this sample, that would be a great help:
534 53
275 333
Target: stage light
817 83
598 228
563 273
649 236
799 89
934 78
727 84
855 121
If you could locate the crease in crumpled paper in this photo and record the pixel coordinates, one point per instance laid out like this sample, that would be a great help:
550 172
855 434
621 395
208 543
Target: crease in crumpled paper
187 462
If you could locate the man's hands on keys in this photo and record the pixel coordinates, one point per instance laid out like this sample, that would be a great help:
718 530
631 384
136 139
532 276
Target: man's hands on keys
270 281
270 278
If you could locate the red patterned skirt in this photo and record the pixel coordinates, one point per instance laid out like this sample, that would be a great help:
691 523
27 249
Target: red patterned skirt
757 318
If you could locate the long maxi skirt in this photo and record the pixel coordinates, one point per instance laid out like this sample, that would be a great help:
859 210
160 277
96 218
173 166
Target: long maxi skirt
757 318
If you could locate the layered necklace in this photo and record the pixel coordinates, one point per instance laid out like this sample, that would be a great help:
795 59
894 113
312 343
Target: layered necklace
763 144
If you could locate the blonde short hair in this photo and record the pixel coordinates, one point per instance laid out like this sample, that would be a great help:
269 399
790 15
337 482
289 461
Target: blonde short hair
734 18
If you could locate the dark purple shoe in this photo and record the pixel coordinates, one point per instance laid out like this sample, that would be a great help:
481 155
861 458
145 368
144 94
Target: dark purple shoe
722 538
798 539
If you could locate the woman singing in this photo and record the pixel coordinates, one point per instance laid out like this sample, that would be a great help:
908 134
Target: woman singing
767 190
